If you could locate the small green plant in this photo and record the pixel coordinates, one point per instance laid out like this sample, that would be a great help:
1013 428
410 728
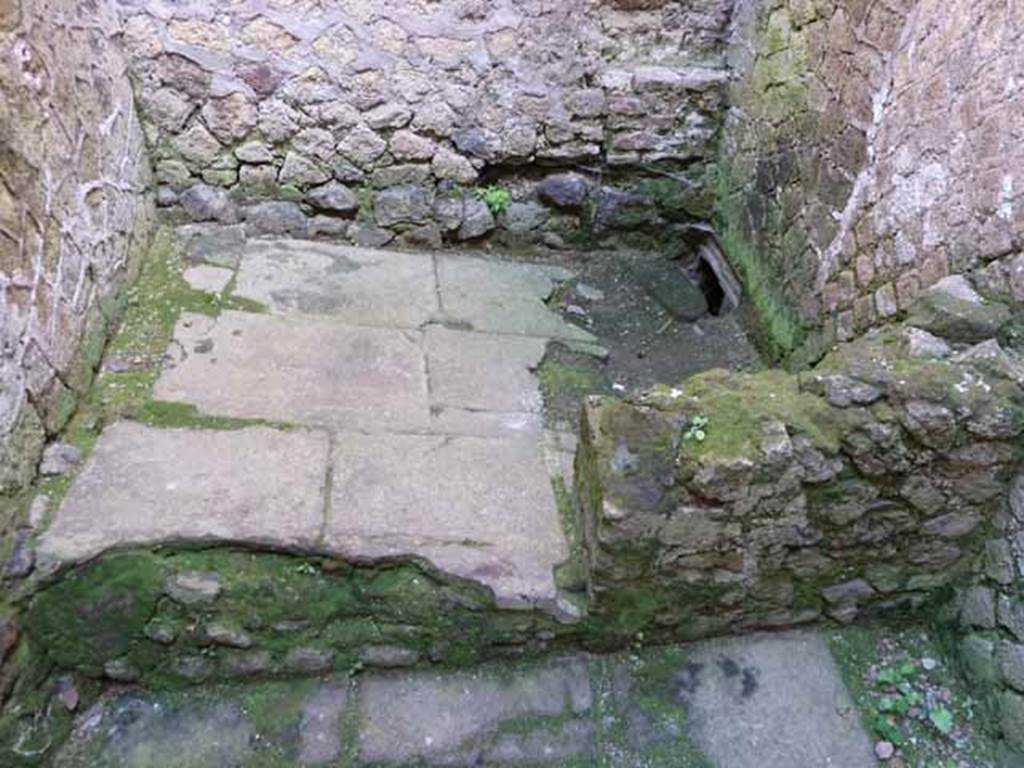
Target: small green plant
942 719
698 430
886 729
305 569
496 197
895 676
900 700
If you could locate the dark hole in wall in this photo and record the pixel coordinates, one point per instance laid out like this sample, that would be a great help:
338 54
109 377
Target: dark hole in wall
707 267
710 286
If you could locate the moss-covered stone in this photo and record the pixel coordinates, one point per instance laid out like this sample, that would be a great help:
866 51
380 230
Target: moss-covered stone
736 501
20 450
780 330
121 608
566 378
739 406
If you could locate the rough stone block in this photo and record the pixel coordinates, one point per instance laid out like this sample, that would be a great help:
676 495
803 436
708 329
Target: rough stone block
402 205
333 197
978 608
1011 663
275 218
978 655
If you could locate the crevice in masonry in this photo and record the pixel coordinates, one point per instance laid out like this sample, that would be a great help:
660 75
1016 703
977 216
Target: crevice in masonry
707 281
707 266
328 486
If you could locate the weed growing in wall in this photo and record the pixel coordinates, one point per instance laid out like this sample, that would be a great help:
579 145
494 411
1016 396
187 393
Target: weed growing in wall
496 197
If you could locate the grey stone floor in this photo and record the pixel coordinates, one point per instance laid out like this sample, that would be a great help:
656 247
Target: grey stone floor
398 415
760 702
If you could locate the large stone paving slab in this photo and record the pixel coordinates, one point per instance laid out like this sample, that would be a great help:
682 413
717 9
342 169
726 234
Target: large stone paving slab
366 287
141 731
772 701
302 370
630 710
478 508
454 719
144 486
504 297
483 372
475 423
296 723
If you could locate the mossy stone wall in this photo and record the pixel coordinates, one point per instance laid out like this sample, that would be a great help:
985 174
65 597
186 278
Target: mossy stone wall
796 137
869 150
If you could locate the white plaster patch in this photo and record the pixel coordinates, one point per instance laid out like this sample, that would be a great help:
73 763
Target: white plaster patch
1005 211
919 191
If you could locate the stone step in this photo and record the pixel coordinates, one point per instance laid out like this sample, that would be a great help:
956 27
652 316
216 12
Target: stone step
480 509
766 702
368 433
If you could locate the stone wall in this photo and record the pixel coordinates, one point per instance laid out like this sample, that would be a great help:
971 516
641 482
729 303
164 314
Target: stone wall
871 149
987 621
873 485
373 120
72 177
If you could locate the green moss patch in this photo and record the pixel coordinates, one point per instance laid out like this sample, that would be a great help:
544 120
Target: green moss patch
121 608
566 379
780 331
638 708
738 406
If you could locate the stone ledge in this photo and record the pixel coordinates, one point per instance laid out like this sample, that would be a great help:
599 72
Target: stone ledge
861 488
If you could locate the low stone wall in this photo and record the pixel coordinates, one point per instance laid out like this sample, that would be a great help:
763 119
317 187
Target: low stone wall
381 120
72 213
876 485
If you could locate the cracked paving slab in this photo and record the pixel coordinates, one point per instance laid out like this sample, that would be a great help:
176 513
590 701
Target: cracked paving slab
438 432
477 508
504 297
364 287
473 423
311 371
483 372
144 486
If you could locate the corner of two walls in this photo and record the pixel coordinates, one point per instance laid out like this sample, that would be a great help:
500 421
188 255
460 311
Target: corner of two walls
74 221
870 150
